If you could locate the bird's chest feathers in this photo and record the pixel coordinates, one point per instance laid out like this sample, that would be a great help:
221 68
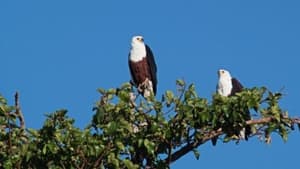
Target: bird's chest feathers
225 87
140 70
137 53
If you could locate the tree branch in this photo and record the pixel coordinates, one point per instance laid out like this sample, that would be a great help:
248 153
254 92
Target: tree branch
197 142
189 147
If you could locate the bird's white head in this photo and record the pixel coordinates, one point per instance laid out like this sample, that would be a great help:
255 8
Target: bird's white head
224 84
138 49
224 74
137 40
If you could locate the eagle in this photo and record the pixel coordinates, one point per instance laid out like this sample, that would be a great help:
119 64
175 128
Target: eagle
142 67
228 86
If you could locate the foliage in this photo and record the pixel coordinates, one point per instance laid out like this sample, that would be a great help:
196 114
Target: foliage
129 132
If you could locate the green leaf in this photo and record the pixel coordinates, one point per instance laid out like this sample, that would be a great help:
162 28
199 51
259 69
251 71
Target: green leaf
3 108
126 86
180 82
227 139
169 97
271 128
129 164
140 142
44 149
124 96
120 145
113 160
283 133
158 106
3 100
112 127
111 91
149 146
196 153
102 91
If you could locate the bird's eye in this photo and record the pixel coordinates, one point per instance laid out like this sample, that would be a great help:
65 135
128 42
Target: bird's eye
223 71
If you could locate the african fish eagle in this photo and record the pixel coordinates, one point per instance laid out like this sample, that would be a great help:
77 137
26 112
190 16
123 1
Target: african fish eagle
228 86
142 67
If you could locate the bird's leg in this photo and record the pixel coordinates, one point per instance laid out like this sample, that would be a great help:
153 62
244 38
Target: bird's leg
145 88
141 87
148 88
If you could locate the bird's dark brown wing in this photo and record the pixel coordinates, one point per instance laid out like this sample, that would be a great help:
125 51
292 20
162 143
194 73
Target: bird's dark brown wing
236 86
152 67
132 73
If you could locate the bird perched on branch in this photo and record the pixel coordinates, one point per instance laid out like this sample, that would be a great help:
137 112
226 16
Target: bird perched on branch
228 86
142 67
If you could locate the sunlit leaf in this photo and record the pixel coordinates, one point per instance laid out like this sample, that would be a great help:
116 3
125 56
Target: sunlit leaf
130 165
196 153
120 145
149 146
169 97
180 82
102 91
227 139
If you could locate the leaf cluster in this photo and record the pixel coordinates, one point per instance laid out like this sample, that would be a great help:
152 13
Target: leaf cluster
128 131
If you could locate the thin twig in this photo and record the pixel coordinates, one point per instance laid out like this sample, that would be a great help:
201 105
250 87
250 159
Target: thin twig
170 154
19 112
9 133
181 94
100 158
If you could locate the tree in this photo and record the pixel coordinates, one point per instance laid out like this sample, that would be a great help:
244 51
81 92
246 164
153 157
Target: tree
128 132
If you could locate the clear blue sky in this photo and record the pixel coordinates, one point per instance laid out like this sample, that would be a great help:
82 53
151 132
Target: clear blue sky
57 53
